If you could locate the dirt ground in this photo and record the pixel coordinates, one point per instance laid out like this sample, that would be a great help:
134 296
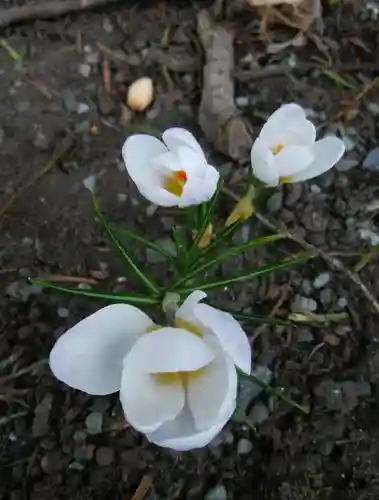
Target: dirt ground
60 124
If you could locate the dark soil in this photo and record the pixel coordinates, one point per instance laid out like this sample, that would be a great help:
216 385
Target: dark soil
53 102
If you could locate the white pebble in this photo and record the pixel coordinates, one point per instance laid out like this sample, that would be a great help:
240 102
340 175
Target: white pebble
140 94
63 312
321 280
85 70
82 108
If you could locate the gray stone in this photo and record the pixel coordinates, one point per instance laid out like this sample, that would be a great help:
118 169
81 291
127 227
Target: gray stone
346 164
122 197
294 192
84 452
167 222
248 390
242 101
370 236
326 296
371 162
79 436
342 330
85 70
63 312
41 142
76 466
217 493
259 413
349 143
342 302
2 136
153 257
304 335
373 108
104 456
314 189
82 108
244 447
306 287
94 423
69 101
303 304
275 202
151 209
321 280
93 58
83 127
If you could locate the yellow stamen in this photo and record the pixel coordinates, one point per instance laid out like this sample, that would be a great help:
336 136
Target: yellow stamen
285 180
186 325
277 149
175 182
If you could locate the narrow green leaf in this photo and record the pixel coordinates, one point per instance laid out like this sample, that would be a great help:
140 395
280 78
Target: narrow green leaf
126 258
128 298
180 240
366 258
140 239
233 252
274 391
338 79
245 277
259 318
207 218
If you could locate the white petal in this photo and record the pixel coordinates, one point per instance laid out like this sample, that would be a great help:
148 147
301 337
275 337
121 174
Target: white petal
176 137
171 350
185 311
213 390
191 162
140 153
262 163
198 190
282 118
292 159
327 152
147 401
181 435
300 133
89 356
229 333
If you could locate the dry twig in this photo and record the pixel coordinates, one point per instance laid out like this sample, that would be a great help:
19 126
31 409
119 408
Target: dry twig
67 144
46 10
143 488
60 278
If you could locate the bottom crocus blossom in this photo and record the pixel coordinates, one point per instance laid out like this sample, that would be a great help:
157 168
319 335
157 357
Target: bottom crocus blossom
178 385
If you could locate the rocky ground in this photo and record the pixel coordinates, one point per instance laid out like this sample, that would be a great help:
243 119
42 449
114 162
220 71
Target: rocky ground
61 123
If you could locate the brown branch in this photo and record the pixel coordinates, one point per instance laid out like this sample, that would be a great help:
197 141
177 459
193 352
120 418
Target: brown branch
46 10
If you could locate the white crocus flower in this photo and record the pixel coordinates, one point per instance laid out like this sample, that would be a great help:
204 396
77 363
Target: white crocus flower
172 172
287 151
178 385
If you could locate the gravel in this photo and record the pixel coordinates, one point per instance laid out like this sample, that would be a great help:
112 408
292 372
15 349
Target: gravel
94 423
303 304
244 446
321 280
371 162
104 456
259 413
217 493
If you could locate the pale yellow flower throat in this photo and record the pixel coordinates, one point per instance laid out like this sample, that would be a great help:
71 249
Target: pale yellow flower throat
175 182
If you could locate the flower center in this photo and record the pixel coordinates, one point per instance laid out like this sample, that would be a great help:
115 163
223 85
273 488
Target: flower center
173 378
175 182
277 149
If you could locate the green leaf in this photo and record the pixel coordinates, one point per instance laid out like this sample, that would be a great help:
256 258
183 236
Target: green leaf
147 243
180 240
126 258
128 298
206 217
233 252
274 391
245 277
258 318
338 79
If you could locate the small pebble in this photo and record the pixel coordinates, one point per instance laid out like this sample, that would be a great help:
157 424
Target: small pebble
259 413
342 302
306 287
371 162
122 197
242 101
244 447
349 143
321 280
303 304
93 58
69 101
326 296
370 236
27 242
79 436
217 493
275 202
76 466
345 164
332 340
373 108
82 108
104 456
107 25
63 312
85 70
2 135
151 209
304 335
84 452
314 189
342 330
41 142
94 423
